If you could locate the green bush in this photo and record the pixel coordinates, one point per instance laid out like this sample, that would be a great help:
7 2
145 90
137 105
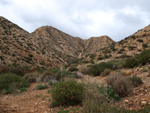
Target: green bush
131 62
120 84
136 81
72 68
91 61
40 87
11 82
117 64
85 61
62 110
139 40
100 58
144 57
54 70
62 74
68 93
97 69
109 92
23 89
144 45
52 82
92 56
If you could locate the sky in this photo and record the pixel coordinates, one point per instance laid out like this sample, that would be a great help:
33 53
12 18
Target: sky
80 18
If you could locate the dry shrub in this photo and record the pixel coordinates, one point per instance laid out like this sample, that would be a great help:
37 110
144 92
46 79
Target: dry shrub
46 76
32 77
121 84
96 102
106 72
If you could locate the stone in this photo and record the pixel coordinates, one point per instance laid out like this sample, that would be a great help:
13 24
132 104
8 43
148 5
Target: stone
126 101
129 72
143 102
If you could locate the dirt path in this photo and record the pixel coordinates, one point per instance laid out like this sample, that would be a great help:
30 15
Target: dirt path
32 101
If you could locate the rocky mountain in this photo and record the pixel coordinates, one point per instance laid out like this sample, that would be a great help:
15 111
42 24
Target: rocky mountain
130 46
135 43
45 47
94 44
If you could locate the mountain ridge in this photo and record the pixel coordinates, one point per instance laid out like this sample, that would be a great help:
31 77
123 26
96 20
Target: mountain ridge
46 46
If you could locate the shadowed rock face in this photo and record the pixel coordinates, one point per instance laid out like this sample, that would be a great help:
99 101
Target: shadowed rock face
45 47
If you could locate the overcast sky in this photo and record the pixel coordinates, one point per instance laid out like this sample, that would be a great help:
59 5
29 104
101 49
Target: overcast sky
81 18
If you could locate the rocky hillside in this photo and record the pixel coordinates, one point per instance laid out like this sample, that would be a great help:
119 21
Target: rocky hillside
130 46
94 44
45 47
133 44
19 47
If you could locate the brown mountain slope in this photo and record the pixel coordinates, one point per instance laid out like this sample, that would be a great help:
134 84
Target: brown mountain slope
45 47
94 44
19 47
59 41
130 46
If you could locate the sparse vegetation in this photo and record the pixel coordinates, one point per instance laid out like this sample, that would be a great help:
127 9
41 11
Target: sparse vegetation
73 68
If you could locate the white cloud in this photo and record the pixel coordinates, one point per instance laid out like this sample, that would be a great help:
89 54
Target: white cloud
82 18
